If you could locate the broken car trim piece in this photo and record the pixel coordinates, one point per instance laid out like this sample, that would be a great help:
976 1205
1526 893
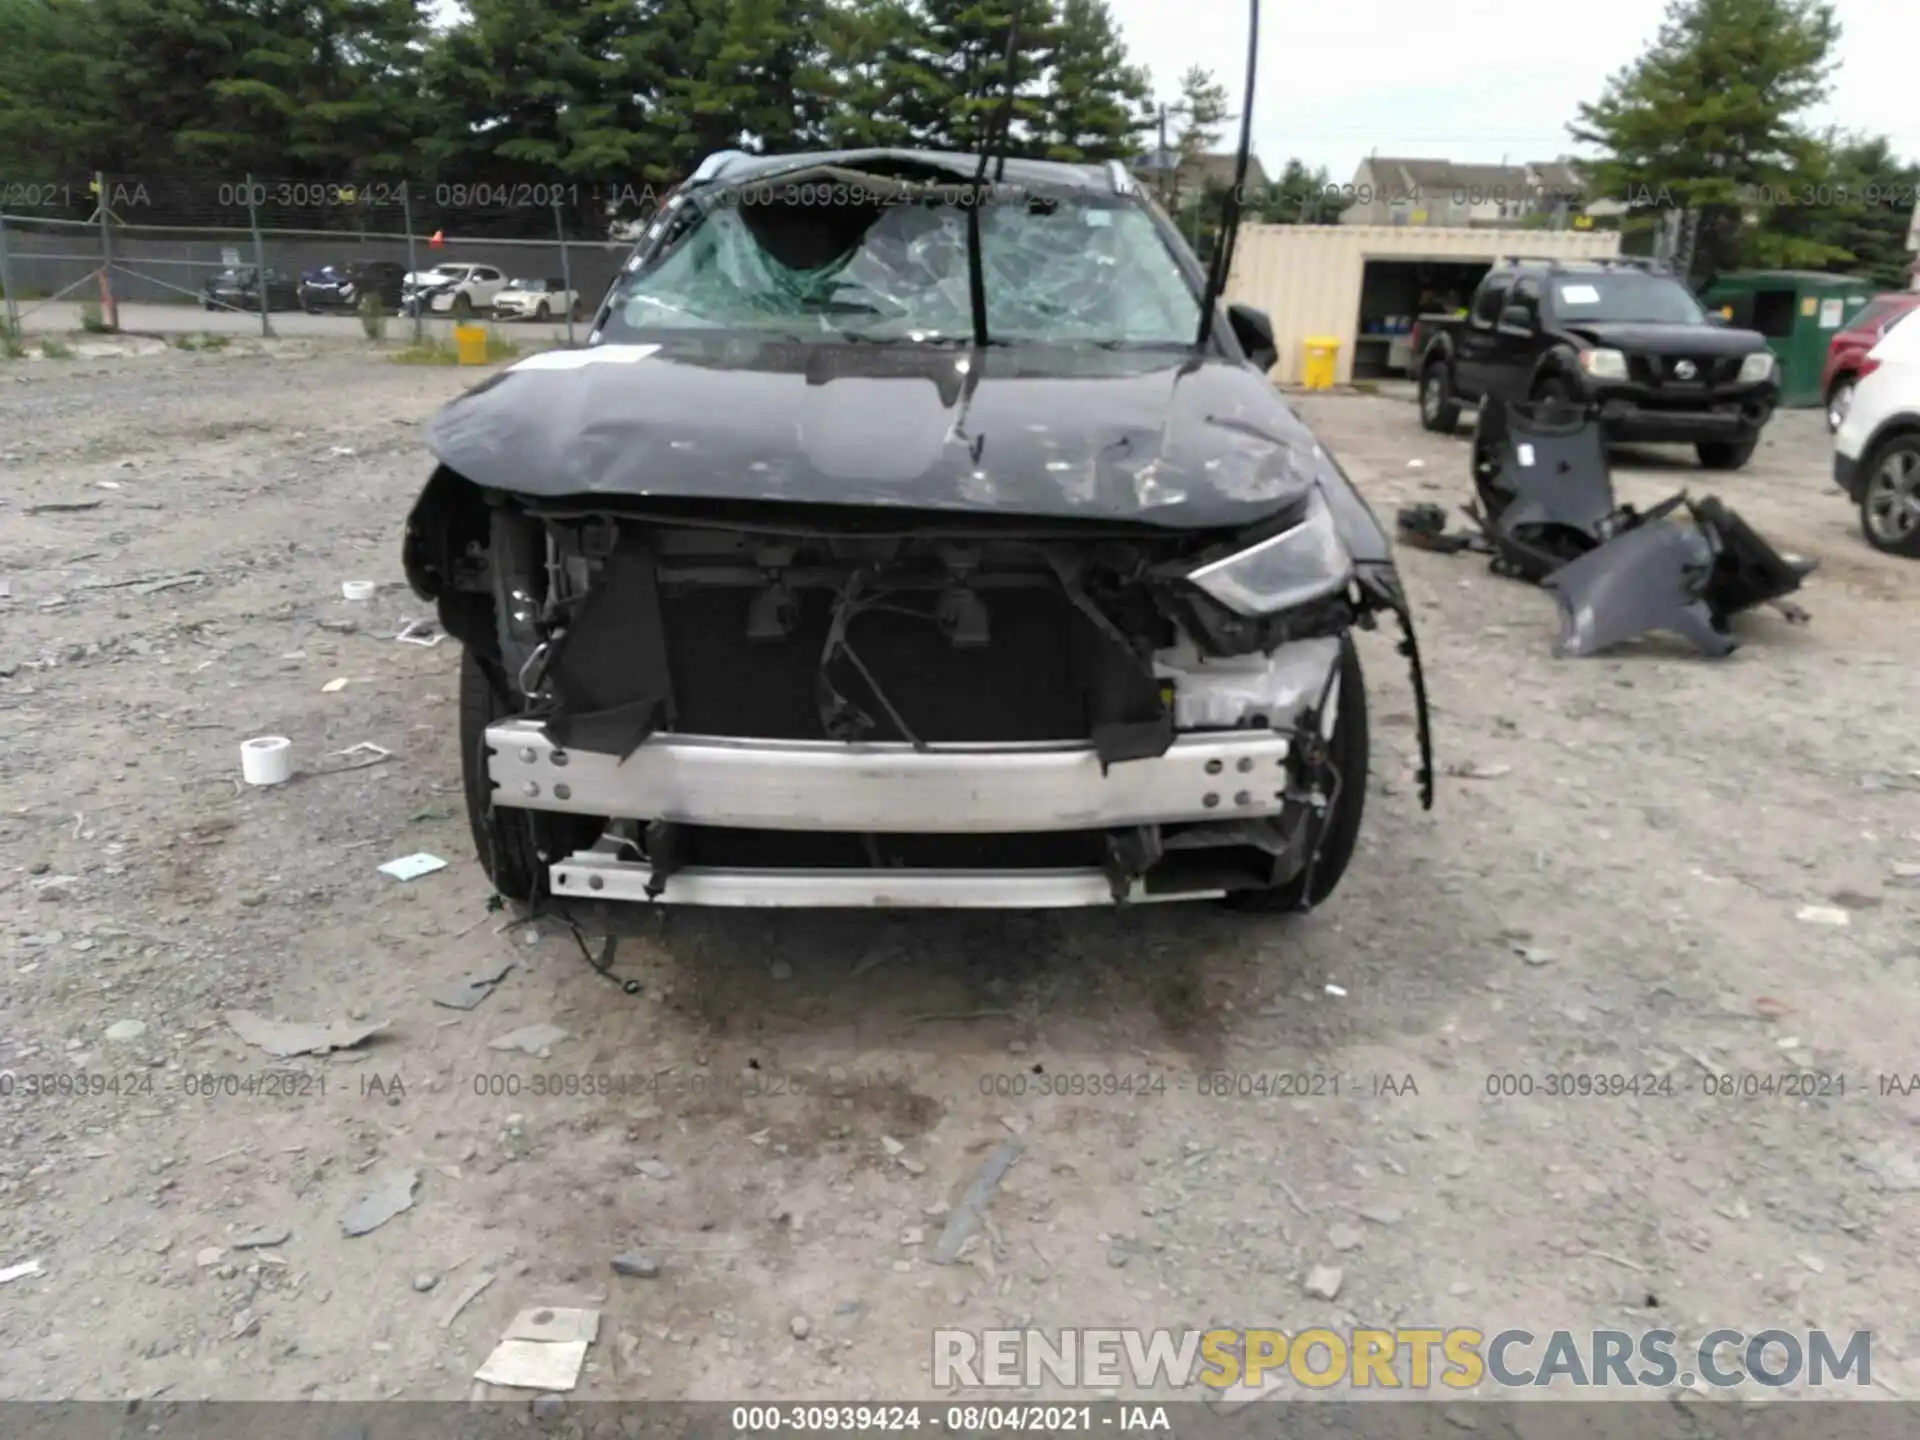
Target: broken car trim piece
1546 511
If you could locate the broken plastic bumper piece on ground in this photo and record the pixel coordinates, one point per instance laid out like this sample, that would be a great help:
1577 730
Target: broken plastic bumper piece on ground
1662 576
1546 510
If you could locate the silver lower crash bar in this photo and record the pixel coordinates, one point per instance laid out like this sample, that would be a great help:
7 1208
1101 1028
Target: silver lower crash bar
806 785
594 875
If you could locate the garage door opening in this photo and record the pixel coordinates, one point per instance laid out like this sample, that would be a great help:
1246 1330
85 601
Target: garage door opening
1394 294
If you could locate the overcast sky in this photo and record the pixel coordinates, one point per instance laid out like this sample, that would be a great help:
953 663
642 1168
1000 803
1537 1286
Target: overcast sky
1468 79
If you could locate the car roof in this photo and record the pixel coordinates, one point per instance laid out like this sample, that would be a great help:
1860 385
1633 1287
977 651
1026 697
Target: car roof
732 167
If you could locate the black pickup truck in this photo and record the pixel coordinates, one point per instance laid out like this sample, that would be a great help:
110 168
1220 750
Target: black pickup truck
1622 335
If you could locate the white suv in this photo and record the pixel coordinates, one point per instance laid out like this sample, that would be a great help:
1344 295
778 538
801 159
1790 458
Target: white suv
460 290
1876 454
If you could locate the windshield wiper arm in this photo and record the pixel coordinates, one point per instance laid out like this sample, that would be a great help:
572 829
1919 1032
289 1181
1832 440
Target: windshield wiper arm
1217 273
995 138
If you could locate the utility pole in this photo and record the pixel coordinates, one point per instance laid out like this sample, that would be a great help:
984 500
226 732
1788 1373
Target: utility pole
259 262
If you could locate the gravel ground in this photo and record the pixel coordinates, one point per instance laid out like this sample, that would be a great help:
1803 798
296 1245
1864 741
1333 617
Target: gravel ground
781 1114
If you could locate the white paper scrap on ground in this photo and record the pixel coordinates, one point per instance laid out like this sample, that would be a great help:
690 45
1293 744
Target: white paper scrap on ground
534 1364
1823 915
412 867
591 355
554 1324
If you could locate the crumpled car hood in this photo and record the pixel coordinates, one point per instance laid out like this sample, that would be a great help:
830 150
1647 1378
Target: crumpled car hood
1136 436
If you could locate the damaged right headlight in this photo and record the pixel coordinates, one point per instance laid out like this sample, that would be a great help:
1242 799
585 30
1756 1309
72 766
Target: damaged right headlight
1306 562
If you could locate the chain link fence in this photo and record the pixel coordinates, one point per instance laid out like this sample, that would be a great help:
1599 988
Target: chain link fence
144 249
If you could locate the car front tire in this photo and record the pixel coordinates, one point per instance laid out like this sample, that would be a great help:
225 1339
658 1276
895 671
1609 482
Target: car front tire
1890 497
1726 454
1349 753
1439 409
514 846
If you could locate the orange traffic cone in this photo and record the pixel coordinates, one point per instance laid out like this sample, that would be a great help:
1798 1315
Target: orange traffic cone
438 239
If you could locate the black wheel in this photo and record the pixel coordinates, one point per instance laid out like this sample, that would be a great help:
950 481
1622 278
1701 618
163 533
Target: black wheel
1726 454
541 312
1348 755
574 313
1839 401
462 307
1439 409
1890 499
510 843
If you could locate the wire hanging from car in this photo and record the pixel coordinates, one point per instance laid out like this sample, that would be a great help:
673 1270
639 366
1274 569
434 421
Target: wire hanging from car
839 716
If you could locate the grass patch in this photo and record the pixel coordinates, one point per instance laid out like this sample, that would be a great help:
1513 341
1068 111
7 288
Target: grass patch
91 320
12 347
56 349
373 318
202 341
431 350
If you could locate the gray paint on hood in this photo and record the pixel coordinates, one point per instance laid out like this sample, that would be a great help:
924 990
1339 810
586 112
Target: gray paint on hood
1156 437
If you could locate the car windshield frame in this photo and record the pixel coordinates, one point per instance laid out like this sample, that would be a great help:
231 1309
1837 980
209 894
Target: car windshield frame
1055 274
1622 297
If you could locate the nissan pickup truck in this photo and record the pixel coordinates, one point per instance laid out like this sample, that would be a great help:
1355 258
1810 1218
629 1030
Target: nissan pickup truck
1621 336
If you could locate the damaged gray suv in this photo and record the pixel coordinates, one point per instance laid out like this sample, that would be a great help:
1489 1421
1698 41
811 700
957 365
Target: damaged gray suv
899 539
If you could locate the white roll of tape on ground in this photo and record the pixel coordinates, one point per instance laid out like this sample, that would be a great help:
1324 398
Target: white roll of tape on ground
357 589
267 760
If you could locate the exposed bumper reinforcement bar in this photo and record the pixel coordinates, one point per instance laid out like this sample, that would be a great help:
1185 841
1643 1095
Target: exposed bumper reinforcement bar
890 788
592 875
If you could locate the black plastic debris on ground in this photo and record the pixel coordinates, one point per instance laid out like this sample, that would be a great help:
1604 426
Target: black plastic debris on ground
1544 503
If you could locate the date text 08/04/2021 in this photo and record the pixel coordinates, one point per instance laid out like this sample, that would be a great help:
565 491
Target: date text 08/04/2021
960 1419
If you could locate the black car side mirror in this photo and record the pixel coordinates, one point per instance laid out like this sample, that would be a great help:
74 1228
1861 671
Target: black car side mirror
1516 317
1253 328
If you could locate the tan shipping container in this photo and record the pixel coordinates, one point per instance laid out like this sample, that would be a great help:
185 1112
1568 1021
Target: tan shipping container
1308 277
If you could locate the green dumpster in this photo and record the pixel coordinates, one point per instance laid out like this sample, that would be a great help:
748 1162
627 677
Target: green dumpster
1798 311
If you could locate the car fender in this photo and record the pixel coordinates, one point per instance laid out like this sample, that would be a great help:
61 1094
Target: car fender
1440 349
1901 422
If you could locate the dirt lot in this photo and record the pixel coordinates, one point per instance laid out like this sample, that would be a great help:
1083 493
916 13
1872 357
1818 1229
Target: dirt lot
804 1095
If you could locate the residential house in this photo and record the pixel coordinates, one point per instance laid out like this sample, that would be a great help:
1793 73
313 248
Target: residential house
1168 173
1389 191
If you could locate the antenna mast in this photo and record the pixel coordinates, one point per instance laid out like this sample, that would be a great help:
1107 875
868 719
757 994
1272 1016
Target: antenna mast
1230 212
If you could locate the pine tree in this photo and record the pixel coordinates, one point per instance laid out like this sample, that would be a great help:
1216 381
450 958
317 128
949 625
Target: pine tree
1706 118
1096 105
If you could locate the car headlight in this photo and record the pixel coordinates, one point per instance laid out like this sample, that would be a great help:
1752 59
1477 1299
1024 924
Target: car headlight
1756 367
1604 364
1307 562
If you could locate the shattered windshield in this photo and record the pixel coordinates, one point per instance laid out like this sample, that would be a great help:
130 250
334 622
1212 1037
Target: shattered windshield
1627 299
1059 269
